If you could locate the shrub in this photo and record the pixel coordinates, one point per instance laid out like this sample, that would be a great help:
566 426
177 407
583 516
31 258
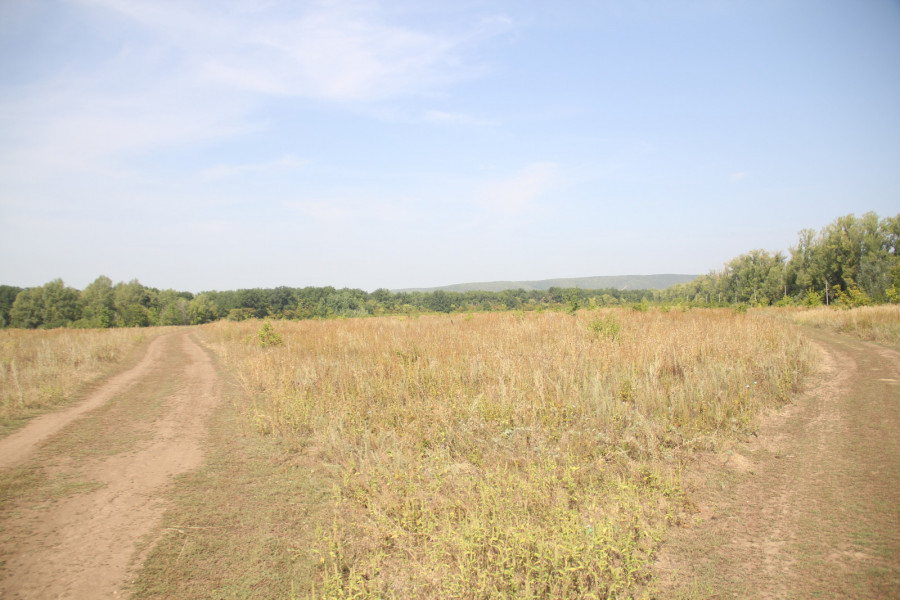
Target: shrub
607 327
268 336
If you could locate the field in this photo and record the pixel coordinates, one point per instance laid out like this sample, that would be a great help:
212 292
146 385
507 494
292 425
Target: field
875 323
40 370
502 455
488 455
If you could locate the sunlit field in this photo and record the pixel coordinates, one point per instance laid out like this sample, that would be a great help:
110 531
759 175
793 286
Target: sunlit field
40 369
876 323
505 455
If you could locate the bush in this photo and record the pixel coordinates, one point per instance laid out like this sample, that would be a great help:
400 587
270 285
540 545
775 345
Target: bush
268 336
852 297
607 327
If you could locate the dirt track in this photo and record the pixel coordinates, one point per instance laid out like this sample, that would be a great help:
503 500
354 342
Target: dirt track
101 475
810 508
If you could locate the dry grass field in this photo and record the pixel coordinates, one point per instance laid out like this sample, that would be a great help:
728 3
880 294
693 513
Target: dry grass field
526 455
874 323
41 369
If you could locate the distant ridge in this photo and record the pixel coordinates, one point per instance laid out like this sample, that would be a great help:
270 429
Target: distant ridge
619 282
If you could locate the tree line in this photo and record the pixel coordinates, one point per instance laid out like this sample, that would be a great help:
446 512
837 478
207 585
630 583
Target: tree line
104 304
851 261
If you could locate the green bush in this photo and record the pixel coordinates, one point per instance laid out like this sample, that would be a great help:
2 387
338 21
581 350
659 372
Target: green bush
268 336
607 327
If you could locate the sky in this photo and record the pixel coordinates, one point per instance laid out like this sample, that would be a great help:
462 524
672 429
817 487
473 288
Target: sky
202 145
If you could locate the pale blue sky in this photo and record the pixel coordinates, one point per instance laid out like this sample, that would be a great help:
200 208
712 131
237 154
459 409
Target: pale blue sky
220 145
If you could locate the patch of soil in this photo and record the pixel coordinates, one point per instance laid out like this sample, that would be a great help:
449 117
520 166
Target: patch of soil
811 507
84 544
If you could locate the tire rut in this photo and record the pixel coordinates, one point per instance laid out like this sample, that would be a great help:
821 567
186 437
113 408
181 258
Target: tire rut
86 545
810 508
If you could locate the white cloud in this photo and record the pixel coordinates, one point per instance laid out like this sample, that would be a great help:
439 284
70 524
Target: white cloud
521 191
337 50
735 177
175 73
72 125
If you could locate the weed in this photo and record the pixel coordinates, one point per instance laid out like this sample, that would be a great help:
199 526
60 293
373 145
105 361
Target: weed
606 327
267 336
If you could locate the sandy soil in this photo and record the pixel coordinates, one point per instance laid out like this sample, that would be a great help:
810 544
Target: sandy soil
85 545
810 508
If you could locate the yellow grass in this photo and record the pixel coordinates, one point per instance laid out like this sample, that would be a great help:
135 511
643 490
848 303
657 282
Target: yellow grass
40 369
527 455
876 323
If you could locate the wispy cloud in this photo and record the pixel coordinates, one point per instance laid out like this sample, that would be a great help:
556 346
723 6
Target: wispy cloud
174 73
735 177
337 50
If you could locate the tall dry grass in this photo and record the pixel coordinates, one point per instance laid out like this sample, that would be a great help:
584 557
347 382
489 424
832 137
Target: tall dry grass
526 455
875 323
39 369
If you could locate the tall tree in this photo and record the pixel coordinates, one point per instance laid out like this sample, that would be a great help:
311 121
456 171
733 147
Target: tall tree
61 304
8 295
97 303
28 309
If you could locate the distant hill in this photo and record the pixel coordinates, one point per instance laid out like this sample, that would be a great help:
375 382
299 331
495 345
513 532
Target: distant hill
619 282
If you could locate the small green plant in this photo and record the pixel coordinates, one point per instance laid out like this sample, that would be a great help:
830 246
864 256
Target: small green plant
812 298
852 297
608 327
572 303
267 336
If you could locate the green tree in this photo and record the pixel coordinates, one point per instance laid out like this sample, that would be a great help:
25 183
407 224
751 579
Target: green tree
174 313
202 310
8 295
27 310
439 301
61 304
51 305
132 303
97 304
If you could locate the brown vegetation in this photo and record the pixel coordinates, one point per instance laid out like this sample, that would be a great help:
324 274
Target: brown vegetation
41 369
517 454
874 323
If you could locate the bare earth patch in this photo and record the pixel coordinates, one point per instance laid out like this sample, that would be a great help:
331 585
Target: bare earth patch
811 507
83 490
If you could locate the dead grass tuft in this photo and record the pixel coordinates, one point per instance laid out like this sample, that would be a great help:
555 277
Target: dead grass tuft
875 323
40 370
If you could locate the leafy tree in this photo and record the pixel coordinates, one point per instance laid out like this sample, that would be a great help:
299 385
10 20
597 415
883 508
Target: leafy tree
255 299
175 312
8 295
28 309
202 310
61 304
440 301
97 303
281 299
132 302
51 305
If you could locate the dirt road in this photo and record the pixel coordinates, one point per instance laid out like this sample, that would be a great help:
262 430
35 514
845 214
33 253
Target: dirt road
811 507
83 487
